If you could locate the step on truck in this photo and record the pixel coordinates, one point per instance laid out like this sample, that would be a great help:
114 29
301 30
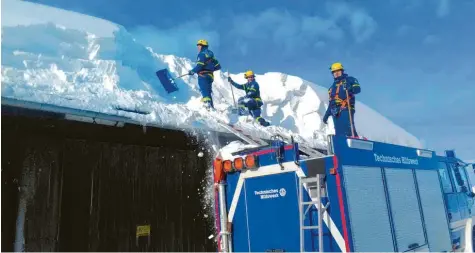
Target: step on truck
361 196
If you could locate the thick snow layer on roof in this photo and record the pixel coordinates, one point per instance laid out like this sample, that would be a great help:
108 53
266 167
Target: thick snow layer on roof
68 59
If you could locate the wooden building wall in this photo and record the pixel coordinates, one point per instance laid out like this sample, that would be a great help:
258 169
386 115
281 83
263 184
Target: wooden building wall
87 187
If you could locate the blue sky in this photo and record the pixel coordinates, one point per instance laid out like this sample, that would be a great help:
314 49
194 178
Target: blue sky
415 59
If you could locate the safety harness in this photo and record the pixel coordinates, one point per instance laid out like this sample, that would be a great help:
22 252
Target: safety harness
246 89
257 99
343 103
206 71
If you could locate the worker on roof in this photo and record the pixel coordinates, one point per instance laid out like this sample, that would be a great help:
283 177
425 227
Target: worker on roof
252 100
342 101
205 66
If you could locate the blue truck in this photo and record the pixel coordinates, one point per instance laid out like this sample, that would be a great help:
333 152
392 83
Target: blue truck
358 195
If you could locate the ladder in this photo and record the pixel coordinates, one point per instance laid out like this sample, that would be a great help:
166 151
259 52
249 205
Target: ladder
312 185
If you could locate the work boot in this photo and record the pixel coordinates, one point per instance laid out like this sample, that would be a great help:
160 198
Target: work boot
263 122
208 106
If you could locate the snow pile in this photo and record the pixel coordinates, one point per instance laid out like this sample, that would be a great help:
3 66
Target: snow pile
64 58
226 151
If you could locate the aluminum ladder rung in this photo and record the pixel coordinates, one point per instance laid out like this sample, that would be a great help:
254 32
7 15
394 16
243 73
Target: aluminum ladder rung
310 202
309 180
310 227
308 184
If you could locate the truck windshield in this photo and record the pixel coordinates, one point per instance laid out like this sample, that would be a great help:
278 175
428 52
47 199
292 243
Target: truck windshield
445 178
470 171
460 176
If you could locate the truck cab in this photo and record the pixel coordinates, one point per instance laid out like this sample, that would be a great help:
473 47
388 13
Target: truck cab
459 191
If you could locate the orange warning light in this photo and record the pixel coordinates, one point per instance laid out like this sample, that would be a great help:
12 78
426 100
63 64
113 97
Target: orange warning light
228 166
238 163
250 162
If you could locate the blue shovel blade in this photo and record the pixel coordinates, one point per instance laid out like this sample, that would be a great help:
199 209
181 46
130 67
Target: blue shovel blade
166 80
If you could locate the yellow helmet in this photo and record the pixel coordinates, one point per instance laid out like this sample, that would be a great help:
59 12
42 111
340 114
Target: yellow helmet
202 43
248 73
336 66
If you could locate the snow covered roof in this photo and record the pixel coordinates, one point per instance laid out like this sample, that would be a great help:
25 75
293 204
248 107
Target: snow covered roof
95 65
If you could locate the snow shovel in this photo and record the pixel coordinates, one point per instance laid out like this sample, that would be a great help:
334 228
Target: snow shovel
167 80
234 110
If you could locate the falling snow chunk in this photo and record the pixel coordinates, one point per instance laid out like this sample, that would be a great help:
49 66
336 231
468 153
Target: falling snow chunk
200 154
211 237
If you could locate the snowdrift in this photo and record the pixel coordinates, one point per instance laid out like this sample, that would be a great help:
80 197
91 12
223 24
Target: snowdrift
69 59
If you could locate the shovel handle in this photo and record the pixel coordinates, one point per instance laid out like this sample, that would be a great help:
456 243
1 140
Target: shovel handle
181 76
232 92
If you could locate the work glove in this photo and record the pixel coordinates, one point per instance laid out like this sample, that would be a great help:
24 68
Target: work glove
348 88
345 86
191 72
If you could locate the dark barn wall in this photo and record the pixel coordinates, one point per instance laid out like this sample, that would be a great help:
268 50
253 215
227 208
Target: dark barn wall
87 187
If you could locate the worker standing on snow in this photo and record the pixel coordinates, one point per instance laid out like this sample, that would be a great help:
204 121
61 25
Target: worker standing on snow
205 66
252 100
342 101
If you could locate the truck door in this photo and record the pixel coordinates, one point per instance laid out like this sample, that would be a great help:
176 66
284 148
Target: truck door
272 212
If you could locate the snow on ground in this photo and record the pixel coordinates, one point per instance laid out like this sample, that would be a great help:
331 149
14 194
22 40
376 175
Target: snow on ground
68 59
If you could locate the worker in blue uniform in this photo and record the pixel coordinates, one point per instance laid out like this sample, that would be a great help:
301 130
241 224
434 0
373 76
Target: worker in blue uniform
205 66
342 101
252 101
